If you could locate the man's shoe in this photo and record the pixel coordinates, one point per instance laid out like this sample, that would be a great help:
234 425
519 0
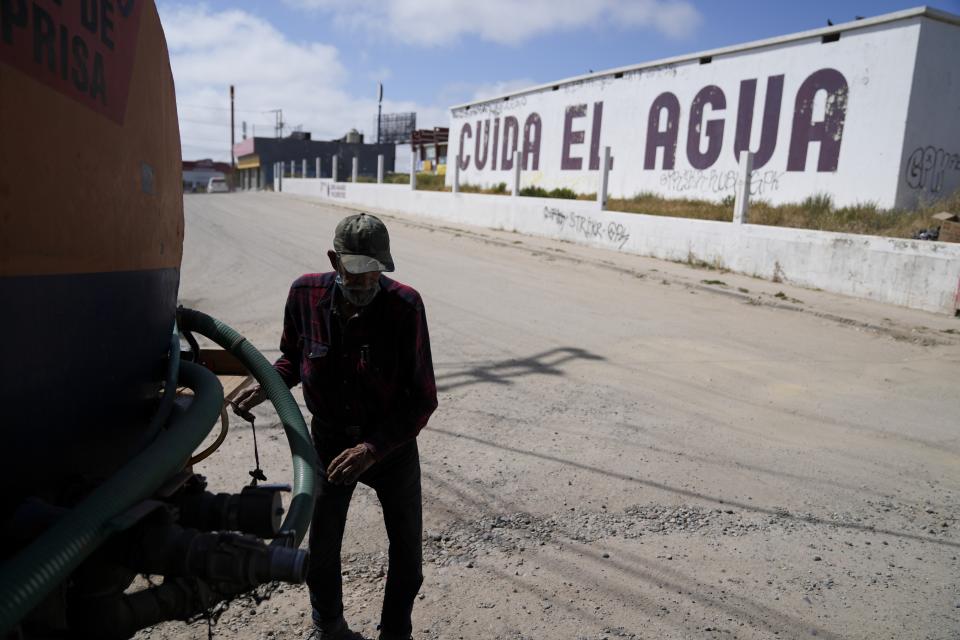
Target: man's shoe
338 631
347 634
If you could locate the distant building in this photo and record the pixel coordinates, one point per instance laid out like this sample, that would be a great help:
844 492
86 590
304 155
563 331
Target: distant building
430 149
197 173
298 154
353 136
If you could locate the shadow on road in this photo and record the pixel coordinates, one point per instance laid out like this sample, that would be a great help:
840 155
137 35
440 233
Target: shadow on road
546 363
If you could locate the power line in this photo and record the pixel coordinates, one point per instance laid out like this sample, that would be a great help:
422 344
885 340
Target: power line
222 124
206 122
203 106
209 147
206 140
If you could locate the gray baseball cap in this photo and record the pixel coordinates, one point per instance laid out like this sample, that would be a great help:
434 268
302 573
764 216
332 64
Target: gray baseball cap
363 244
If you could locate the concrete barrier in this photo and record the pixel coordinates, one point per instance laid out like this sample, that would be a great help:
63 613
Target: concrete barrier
917 274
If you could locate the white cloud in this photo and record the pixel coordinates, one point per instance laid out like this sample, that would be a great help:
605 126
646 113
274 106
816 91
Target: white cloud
500 88
461 92
211 50
428 22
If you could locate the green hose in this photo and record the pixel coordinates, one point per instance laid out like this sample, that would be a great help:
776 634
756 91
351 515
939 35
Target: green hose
27 577
294 526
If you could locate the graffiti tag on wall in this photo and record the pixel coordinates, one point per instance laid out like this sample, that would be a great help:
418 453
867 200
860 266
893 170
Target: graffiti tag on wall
335 190
927 166
588 227
718 182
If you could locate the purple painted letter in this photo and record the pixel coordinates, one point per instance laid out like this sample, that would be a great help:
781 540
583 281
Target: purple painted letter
465 131
511 130
710 95
481 161
829 131
531 140
571 137
595 136
666 138
771 119
496 141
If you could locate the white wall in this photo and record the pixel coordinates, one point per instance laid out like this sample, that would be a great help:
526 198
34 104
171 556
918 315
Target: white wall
875 62
403 158
930 166
920 275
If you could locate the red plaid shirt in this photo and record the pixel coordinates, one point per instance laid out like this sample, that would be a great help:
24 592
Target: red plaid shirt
373 371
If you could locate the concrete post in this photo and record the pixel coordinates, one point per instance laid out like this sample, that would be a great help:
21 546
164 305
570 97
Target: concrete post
380 169
280 173
741 202
293 168
334 169
413 169
355 169
456 174
515 186
604 174
318 166
304 172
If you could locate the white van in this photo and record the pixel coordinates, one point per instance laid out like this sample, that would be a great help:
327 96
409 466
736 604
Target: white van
217 185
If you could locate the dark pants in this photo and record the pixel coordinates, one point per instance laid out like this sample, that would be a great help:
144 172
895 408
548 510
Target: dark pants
396 479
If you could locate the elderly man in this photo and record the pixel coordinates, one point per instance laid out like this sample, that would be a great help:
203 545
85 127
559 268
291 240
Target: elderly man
358 343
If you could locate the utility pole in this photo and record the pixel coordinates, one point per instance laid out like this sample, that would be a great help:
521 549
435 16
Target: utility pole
233 161
379 107
279 123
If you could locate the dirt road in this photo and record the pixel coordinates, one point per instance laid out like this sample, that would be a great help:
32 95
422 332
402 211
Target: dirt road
626 448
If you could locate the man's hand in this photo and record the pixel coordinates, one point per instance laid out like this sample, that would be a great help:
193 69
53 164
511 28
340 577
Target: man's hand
247 400
347 467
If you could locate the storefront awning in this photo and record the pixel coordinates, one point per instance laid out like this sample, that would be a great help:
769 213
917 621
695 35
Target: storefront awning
251 161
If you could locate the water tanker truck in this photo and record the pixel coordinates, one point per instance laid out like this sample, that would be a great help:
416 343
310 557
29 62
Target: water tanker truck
103 410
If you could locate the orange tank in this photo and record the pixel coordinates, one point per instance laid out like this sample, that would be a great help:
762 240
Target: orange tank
91 212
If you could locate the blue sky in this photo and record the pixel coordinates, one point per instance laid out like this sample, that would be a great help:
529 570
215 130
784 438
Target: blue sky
319 60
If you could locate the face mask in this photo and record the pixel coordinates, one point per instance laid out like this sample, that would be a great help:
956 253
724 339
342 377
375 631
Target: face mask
358 296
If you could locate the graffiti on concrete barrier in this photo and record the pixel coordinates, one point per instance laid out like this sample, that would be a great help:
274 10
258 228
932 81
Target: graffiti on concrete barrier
585 226
927 165
717 182
617 234
335 190
549 213
588 227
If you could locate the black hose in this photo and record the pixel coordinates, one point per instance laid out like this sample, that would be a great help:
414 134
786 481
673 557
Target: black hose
194 347
162 414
